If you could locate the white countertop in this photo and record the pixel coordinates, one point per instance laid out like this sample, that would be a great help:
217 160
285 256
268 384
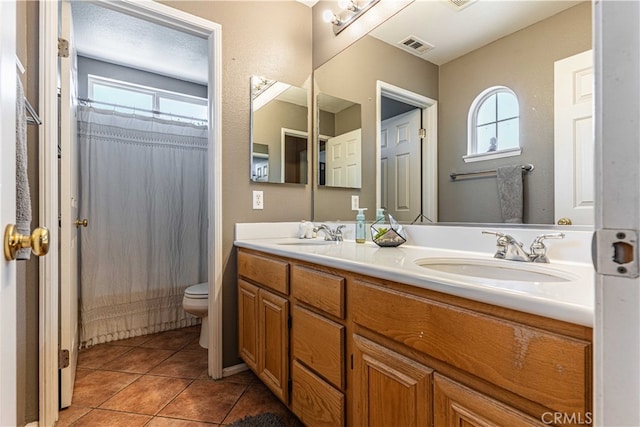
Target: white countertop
571 300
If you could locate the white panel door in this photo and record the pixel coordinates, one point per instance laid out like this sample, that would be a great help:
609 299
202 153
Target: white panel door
400 158
68 209
344 160
573 139
8 346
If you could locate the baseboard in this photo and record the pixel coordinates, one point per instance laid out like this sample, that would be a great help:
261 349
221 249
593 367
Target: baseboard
235 369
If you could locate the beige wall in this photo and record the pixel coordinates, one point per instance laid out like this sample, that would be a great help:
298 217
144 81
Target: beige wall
271 39
352 75
524 62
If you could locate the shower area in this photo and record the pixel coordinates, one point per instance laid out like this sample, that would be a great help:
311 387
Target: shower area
142 178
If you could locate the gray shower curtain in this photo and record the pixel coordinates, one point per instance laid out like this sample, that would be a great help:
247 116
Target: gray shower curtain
143 188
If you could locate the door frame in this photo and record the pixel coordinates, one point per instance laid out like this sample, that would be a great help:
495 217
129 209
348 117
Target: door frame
429 161
49 282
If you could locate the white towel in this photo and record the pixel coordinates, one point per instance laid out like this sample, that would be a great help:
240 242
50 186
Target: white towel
23 195
510 193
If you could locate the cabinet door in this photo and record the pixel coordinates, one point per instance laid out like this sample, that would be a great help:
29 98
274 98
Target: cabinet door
273 357
389 388
248 323
458 406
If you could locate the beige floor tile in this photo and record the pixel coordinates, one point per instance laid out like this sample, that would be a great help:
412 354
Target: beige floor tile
68 416
96 387
204 400
147 395
95 357
174 422
183 364
139 360
172 340
103 418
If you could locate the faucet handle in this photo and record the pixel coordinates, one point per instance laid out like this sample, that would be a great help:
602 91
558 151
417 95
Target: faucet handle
537 242
539 250
493 233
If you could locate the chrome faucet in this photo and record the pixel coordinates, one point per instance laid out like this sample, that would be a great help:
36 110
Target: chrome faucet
330 235
510 249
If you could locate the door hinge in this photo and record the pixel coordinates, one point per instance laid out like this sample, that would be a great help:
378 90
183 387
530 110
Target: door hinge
422 133
63 48
615 253
289 322
290 385
63 359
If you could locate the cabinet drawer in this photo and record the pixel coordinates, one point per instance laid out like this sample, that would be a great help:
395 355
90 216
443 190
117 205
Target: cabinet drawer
321 290
319 344
268 272
315 402
544 367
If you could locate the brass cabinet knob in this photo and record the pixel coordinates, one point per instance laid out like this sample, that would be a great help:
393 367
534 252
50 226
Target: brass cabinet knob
564 221
80 223
38 241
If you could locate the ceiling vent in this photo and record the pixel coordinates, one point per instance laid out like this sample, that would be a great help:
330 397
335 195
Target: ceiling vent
461 4
415 45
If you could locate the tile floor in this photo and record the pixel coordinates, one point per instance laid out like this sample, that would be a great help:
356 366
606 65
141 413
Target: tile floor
161 380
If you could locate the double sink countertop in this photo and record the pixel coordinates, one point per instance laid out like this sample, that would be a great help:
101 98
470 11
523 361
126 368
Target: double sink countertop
562 289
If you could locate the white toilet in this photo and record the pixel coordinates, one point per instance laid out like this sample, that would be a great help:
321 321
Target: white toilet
196 302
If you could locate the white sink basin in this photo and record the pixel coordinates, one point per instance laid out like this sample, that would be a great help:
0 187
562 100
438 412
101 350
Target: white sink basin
303 242
496 269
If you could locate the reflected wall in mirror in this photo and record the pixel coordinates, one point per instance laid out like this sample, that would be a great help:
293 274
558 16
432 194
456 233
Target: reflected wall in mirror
518 52
339 142
279 132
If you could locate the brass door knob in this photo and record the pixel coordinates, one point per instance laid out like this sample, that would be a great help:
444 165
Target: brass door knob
14 241
82 223
564 221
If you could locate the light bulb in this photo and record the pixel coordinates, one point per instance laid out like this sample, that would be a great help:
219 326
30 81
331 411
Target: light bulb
348 5
328 16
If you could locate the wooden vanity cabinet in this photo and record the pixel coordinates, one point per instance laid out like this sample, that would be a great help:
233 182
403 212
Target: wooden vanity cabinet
263 320
372 352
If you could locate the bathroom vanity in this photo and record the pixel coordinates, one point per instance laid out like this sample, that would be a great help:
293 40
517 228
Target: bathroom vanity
352 334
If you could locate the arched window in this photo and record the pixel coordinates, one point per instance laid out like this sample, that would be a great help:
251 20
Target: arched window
493 125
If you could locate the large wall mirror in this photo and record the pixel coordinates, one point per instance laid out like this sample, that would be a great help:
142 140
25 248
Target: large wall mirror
509 43
279 132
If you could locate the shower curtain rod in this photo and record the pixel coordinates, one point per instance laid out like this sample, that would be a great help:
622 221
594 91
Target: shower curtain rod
91 101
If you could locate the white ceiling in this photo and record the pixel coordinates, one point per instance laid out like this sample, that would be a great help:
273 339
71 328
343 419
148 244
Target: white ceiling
112 36
454 32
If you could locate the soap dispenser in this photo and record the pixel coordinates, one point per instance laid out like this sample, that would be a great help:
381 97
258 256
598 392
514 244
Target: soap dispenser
379 214
361 233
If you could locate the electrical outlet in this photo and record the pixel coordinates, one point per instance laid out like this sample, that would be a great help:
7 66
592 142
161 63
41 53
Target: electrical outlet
355 203
258 200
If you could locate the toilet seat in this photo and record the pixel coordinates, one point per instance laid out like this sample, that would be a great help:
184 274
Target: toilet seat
199 291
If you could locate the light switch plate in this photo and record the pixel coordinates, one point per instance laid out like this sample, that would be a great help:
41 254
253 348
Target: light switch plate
355 203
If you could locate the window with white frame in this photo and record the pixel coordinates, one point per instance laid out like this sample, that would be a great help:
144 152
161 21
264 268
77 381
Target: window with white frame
147 101
493 125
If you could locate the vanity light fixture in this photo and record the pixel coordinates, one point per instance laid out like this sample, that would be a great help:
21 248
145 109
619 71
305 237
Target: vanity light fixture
350 10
